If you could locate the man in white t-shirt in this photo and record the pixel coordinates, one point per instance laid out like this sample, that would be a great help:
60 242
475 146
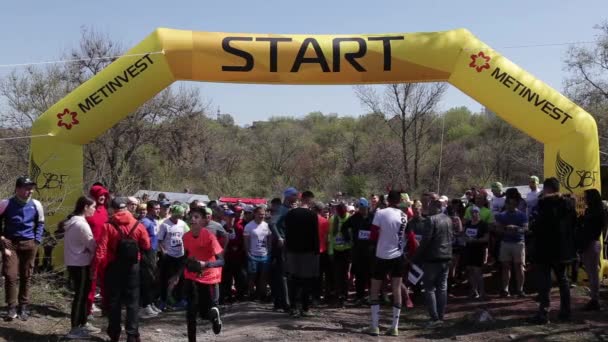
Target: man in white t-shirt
388 229
170 242
257 237
498 199
532 196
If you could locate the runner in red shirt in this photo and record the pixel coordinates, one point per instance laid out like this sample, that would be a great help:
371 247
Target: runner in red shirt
201 285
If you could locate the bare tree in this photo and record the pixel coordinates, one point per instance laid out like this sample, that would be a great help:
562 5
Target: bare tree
407 109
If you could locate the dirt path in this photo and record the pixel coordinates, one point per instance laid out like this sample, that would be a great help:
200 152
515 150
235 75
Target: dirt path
256 322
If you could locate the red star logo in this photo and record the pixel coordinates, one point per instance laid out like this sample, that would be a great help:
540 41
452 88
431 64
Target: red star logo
480 62
67 119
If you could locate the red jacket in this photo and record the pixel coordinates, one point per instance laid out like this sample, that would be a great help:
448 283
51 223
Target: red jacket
323 233
101 213
106 249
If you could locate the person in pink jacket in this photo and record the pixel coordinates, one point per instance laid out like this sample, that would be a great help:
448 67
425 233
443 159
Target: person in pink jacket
97 222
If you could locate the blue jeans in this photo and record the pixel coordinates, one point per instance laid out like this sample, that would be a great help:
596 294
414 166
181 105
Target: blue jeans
435 279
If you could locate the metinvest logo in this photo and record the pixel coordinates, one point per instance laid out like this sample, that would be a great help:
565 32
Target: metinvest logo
480 61
67 119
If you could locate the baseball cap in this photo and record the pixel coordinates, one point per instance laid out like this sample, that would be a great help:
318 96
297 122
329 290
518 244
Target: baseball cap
475 209
228 212
119 203
165 203
363 203
177 209
534 179
443 198
249 208
350 208
238 209
24 181
497 186
289 192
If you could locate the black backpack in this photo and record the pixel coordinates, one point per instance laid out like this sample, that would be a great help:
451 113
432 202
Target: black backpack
128 249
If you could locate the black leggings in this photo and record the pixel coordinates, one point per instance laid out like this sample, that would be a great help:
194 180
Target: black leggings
201 298
301 288
81 282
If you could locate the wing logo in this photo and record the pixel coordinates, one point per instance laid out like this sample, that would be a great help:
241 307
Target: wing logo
572 179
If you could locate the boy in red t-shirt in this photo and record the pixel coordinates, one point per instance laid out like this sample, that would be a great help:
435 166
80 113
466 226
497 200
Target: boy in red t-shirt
201 290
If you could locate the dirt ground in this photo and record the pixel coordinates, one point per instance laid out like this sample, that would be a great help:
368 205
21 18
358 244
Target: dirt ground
253 321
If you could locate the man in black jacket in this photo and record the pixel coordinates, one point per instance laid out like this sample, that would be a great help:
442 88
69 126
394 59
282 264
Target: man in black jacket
360 225
555 248
433 256
302 256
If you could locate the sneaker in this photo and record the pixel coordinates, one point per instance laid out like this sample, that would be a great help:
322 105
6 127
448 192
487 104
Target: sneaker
90 328
294 313
505 294
77 334
24 313
434 324
521 294
372 331
95 309
155 308
216 320
147 312
162 306
474 295
593 305
11 314
392 332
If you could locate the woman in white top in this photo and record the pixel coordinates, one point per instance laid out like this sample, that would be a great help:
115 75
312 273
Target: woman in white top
78 251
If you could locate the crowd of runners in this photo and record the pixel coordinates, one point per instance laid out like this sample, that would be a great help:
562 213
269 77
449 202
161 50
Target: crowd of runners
299 254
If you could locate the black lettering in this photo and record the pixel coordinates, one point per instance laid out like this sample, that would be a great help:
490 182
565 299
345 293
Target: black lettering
141 65
88 104
349 56
527 93
131 70
497 75
557 113
538 101
386 41
239 53
274 50
147 56
124 79
548 107
114 84
103 91
523 90
508 80
320 58
567 116
96 99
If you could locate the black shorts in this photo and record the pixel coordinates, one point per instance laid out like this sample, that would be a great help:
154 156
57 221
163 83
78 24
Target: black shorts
393 267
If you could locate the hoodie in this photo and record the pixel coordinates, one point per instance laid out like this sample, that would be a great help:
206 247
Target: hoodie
107 247
79 245
101 213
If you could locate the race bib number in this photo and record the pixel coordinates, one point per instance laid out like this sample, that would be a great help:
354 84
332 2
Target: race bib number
364 234
232 236
176 242
471 232
262 244
418 237
339 240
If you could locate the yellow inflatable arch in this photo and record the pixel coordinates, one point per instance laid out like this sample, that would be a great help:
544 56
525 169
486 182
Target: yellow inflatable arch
458 57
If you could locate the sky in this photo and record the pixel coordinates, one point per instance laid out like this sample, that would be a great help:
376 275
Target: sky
44 30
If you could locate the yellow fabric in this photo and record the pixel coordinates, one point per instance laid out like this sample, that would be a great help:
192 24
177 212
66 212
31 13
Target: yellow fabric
568 132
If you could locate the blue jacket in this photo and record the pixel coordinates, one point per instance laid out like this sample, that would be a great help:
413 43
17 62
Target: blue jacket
22 221
150 225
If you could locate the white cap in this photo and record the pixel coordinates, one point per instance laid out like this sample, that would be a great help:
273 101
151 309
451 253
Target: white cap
443 198
350 208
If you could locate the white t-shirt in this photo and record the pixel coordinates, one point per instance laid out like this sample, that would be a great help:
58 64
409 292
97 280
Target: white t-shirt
391 222
497 204
532 200
170 236
258 234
